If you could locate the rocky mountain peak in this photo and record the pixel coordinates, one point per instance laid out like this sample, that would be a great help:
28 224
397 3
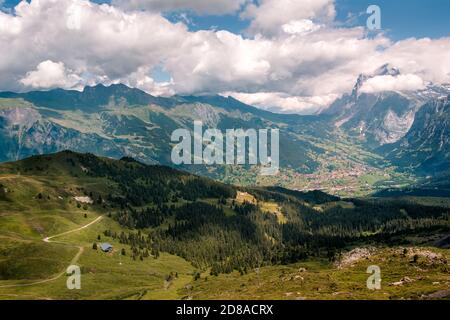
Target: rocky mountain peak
385 70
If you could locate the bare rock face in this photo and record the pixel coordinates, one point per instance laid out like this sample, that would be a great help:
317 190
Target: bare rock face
350 258
394 127
19 117
427 144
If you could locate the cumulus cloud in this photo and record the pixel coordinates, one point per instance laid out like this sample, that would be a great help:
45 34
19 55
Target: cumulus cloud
427 58
406 82
214 7
97 43
141 80
300 26
296 60
296 64
282 102
269 16
49 74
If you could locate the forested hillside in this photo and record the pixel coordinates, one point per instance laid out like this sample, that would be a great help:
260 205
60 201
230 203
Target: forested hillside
227 228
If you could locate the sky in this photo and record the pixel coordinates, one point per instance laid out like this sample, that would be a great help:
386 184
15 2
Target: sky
293 56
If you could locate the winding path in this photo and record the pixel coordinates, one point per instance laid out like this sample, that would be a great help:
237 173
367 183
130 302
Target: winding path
72 231
74 260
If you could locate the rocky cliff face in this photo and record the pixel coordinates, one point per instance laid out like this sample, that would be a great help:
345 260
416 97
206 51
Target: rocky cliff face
426 147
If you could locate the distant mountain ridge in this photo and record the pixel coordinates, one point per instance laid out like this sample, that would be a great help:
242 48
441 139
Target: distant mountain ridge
89 99
118 121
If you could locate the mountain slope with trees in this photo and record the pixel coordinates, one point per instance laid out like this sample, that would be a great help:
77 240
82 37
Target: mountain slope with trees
218 226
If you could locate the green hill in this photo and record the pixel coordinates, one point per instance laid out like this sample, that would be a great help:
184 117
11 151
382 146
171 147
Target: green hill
171 229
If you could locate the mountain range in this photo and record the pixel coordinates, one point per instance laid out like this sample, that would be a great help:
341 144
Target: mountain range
389 133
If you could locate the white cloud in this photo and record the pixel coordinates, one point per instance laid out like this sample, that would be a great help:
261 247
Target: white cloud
303 26
97 43
270 16
215 7
49 74
427 58
282 102
9 25
141 80
403 82
295 61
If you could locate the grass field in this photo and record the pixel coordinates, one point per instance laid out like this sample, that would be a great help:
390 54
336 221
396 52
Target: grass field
104 275
37 207
26 259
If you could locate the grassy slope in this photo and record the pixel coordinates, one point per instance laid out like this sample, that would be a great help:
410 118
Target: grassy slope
25 258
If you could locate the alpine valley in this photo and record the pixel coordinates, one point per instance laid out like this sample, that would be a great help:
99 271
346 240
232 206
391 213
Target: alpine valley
86 179
363 143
